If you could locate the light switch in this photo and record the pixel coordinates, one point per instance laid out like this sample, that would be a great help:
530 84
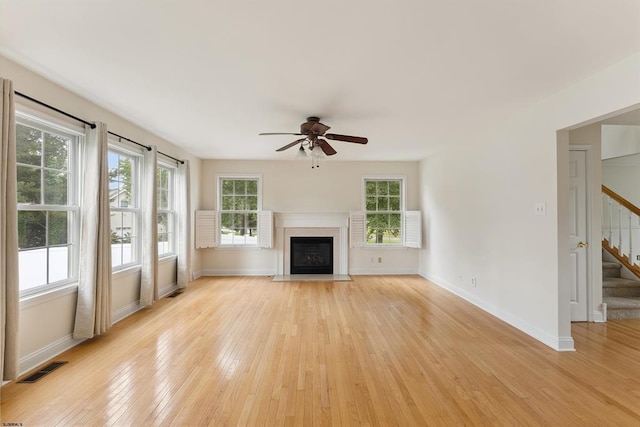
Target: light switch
540 208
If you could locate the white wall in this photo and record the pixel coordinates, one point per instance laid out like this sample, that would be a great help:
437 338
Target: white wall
46 323
292 186
622 175
479 204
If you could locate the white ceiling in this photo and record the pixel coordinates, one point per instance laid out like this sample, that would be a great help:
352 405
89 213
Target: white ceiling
411 75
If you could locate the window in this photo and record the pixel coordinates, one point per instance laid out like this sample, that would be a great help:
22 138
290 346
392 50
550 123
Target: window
384 207
239 203
48 211
166 210
125 208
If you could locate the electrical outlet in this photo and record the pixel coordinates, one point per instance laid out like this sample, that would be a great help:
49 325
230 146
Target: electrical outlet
474 282
372 261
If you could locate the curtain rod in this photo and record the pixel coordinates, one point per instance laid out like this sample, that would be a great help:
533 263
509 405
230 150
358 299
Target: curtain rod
55 109
92 125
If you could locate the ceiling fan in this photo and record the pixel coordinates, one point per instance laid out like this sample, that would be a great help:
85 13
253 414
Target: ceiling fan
314 132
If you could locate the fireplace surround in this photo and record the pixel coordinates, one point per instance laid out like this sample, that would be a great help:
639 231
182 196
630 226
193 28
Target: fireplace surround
299 224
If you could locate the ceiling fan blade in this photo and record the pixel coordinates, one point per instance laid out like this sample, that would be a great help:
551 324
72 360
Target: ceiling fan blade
279 133
346 138
328 150
291 145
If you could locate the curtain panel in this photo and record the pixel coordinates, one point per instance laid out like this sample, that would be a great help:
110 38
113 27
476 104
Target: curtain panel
149 269
184 224
9 280
93 310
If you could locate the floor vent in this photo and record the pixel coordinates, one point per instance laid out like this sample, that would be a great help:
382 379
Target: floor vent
42 372
175 294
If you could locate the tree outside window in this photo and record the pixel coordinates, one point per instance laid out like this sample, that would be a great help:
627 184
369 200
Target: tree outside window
123 201
46 204
383 206
239 211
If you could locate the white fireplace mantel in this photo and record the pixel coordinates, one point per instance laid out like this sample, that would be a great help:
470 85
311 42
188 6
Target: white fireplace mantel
290 224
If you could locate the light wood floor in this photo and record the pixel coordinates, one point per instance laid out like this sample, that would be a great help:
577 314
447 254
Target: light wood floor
380 350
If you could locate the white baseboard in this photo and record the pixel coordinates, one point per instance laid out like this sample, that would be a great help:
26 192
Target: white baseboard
47 353
555 342
229 272
168 290
126 311
599 316
381 271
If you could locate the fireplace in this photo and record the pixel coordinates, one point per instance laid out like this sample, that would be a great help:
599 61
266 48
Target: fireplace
312 255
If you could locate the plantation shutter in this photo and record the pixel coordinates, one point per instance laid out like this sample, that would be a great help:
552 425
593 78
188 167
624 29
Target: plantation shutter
356 229
413 229
265 229
206 229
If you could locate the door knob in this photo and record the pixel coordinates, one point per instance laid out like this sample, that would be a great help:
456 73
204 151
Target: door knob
583 245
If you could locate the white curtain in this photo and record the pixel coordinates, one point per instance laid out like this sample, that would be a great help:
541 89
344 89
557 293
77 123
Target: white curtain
184 225
93 310
149 274
9 288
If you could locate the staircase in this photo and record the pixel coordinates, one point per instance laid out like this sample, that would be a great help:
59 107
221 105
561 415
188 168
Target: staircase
621 241
622 296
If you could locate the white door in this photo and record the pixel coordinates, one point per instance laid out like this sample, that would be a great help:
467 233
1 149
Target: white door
578 234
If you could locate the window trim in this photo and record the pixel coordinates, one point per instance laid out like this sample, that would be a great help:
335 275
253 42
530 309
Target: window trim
231 176
115 146
33 118
403 207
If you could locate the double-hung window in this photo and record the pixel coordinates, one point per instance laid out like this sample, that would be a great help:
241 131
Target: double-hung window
48 209
166 176
124 191
239 205
384 208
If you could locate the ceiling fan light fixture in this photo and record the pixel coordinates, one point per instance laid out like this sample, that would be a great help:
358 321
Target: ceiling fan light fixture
302 154
317 153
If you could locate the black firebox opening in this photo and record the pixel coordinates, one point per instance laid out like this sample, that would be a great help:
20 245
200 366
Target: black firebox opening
312 255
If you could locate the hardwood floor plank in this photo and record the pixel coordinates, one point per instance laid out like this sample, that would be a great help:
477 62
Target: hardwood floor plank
379 350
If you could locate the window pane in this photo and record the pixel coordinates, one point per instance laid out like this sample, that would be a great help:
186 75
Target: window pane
383 188
240 186
394 203
239 221
32 230
227 203
56 151
227 186
163 222
240 203
55 187
394 188
32 268
383 203
252 220
252 203
371 203
252 187
163 199
58 263
370 188
28 145
29 185
58 228
226 220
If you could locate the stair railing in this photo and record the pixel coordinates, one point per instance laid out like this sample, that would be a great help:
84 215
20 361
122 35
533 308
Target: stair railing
621 229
